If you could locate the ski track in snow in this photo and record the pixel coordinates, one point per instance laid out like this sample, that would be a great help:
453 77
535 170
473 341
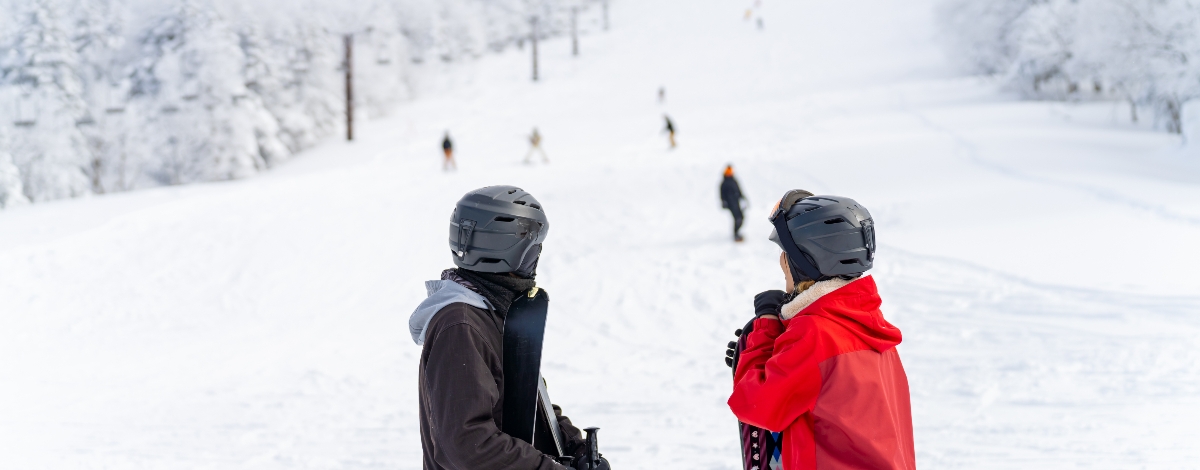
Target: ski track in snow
261 324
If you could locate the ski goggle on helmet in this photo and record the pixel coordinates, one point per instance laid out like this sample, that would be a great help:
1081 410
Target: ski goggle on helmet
786 202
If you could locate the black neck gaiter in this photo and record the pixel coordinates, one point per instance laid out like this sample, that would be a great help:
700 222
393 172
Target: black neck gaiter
500 290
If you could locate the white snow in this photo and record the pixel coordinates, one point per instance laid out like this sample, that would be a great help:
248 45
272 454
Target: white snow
1037 256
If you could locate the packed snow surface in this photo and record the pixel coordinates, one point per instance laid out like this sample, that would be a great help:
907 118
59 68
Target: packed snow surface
1038 258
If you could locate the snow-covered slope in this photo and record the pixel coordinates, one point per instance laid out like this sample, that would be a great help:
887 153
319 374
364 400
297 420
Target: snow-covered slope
1036 256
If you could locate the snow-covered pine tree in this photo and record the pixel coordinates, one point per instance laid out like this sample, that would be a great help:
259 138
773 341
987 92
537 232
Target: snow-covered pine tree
313 84
1151 50
1140 51
42 84
98 37
1040 55
979 32
111 95
189 86
380 56
456 30
417 25
11 193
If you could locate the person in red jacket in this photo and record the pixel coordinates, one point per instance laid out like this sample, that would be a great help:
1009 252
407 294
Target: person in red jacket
820 364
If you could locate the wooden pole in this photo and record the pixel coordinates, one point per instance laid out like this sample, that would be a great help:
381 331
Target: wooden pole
534 39
574 31
349 66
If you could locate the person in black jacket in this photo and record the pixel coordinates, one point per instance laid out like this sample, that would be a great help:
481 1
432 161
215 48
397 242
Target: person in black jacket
731 198
670 130
448 150
460 328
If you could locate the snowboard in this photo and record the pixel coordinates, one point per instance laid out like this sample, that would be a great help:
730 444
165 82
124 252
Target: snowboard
528 413
760 447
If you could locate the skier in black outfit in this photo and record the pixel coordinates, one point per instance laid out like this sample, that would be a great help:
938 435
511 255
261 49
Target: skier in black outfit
670 130
731 198
448 150
496 236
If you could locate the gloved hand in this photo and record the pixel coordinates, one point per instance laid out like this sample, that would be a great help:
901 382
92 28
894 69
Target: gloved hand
581 465
768 302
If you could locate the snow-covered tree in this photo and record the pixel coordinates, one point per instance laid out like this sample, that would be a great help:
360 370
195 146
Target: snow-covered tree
190 87
1040 59
980 32
1149 51
379 52
99 96
1141 51
98 37
11 193
42 84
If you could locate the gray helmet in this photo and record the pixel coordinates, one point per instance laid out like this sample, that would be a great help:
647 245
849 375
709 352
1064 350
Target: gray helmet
498 229
835 236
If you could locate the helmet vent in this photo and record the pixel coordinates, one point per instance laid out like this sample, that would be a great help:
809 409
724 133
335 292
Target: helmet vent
504 219
849 261
513 191
489 260
535 206
838 220
519 202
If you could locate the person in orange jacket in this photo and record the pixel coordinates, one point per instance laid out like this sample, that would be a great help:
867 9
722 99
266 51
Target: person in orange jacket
820 364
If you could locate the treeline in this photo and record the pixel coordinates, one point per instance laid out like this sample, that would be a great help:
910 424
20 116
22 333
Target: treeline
1144 52
100 96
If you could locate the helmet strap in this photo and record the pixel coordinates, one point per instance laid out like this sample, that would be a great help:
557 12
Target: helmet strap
796 258
528 267
797 276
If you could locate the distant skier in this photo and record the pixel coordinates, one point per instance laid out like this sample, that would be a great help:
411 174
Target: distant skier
662 95
535 145
819 363
448 150
461 326
731 198
670 130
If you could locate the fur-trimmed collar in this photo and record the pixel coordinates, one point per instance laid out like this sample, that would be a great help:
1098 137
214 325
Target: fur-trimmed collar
810 295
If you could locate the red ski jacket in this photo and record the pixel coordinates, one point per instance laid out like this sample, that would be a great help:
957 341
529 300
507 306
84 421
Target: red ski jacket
829 378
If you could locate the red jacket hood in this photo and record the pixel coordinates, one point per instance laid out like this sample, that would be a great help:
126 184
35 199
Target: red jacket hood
855 307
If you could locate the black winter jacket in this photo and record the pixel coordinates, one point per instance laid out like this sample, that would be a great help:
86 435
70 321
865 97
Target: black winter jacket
731 193
462 397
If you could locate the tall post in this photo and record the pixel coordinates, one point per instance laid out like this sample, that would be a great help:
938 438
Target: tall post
604 6
574 31
349 66
534 39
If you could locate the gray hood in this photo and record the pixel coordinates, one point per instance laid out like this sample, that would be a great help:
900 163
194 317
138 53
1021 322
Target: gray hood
441 294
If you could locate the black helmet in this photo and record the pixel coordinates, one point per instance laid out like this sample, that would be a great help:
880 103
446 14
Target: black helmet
830 236
498 229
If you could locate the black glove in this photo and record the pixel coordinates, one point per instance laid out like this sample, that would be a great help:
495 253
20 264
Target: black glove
731 348
581 465
768 302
